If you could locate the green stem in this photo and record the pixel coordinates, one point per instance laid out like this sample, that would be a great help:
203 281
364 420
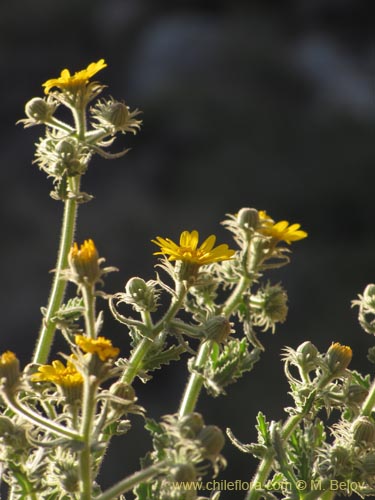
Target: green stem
234 299
130 482
135 361
85 462
38 420
89 399
369 402
195 383
46 333
265 466
88 295
26 487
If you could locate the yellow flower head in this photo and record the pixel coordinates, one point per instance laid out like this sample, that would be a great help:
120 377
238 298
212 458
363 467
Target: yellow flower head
100 346
187 251
338 357
87 252
84 261
63 376
280 231
80 79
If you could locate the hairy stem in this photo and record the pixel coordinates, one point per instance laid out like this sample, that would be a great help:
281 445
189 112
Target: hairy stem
88 294
85 462
38 420
369 402
195 383
130 482
135 361
47 330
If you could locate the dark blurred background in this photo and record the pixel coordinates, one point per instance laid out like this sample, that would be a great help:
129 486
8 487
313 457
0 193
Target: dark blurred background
267 104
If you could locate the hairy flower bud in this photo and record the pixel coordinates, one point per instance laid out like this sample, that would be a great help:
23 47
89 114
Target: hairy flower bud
212 440
338 358
191 424
141 295
357 394
307 355
269 306
218 328
39 110
125 394
248 218
368 464
84 262
184 472
115 116
13 435
363 431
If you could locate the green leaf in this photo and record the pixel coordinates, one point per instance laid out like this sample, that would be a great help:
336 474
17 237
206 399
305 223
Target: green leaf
263 429
155 361
225 367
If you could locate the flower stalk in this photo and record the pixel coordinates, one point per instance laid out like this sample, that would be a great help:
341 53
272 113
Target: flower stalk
48 327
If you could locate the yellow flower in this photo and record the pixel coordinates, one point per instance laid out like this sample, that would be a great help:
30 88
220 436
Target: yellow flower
100 346
187 251
280 231
57 373
84 261
80 79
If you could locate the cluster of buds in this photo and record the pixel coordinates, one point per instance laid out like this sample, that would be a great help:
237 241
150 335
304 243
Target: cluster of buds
189 445
65 151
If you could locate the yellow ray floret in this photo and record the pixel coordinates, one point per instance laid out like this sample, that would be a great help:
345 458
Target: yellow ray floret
85 253
100 346
59 374
188 250
66 81
280 231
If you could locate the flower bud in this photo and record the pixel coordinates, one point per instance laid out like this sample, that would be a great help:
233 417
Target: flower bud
212 440
363 431
115 116
307 355
357 394
217 328
13 435
369 297
141 295
125 392
118 115
9 368
39 109
184 473
338 358
269 306
368 464
84 263
248 218
191 424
